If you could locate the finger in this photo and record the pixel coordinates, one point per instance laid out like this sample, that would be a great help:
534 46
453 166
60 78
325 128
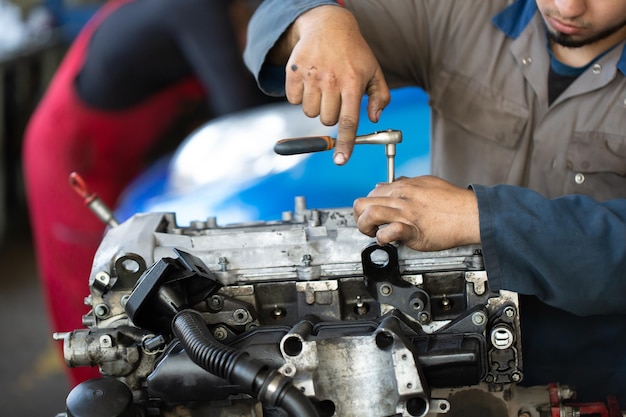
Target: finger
365 226
294 85
347 125
330 107
358 208
393 232
373 216
379 96
360 205
311 100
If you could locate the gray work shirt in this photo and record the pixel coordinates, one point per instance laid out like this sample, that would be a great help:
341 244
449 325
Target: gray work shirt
484 64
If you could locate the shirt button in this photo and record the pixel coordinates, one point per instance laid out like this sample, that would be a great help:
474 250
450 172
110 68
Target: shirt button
579 178
596 68
527 60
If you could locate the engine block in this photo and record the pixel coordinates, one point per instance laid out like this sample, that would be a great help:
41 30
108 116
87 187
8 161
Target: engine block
243 319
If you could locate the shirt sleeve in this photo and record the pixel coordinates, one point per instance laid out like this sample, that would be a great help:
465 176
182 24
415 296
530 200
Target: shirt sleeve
570 251
268 23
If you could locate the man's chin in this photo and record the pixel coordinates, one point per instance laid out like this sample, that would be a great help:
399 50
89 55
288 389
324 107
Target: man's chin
567 41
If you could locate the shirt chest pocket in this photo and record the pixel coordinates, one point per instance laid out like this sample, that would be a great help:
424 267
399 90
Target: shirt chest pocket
597 152
597 165
480 111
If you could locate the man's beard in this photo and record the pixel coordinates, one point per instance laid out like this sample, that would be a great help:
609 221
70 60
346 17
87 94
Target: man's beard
570 42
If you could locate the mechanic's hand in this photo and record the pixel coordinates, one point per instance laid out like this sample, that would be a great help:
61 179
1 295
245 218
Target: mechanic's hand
425 213
329 70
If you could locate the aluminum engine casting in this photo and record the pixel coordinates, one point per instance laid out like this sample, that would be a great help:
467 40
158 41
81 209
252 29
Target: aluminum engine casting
250 319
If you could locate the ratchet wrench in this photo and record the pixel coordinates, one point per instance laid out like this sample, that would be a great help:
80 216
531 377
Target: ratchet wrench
389 138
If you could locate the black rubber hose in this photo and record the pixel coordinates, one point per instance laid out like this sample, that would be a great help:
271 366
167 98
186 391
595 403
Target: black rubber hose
270 387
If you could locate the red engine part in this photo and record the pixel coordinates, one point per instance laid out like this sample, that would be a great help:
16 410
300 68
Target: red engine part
559 408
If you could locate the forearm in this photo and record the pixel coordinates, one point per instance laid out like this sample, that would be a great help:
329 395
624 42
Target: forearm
570 252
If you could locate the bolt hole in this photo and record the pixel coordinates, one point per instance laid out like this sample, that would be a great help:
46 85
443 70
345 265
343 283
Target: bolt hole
417 406
379 258
416 304
326 408
384 340
289 371
293 346
130 265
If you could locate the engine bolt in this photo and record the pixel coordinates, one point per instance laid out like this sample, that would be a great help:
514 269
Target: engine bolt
307 259
106 341
216 303
220 333
386 290
478 318
102 280
278 312
240 316
509 312
124 300
360 308
446 304
424 317
101 310
223 263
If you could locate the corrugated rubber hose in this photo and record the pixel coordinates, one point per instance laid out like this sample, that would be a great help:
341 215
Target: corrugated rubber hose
269 386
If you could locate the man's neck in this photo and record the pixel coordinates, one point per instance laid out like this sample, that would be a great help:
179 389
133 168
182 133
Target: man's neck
581 56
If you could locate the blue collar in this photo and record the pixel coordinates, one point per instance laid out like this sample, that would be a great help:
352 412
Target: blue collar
514 19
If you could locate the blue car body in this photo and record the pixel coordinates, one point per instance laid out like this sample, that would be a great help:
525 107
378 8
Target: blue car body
267 194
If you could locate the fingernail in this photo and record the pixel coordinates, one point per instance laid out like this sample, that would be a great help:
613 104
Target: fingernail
339 159
378 113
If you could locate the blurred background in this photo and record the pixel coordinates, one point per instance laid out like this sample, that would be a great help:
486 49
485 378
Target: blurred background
34 35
